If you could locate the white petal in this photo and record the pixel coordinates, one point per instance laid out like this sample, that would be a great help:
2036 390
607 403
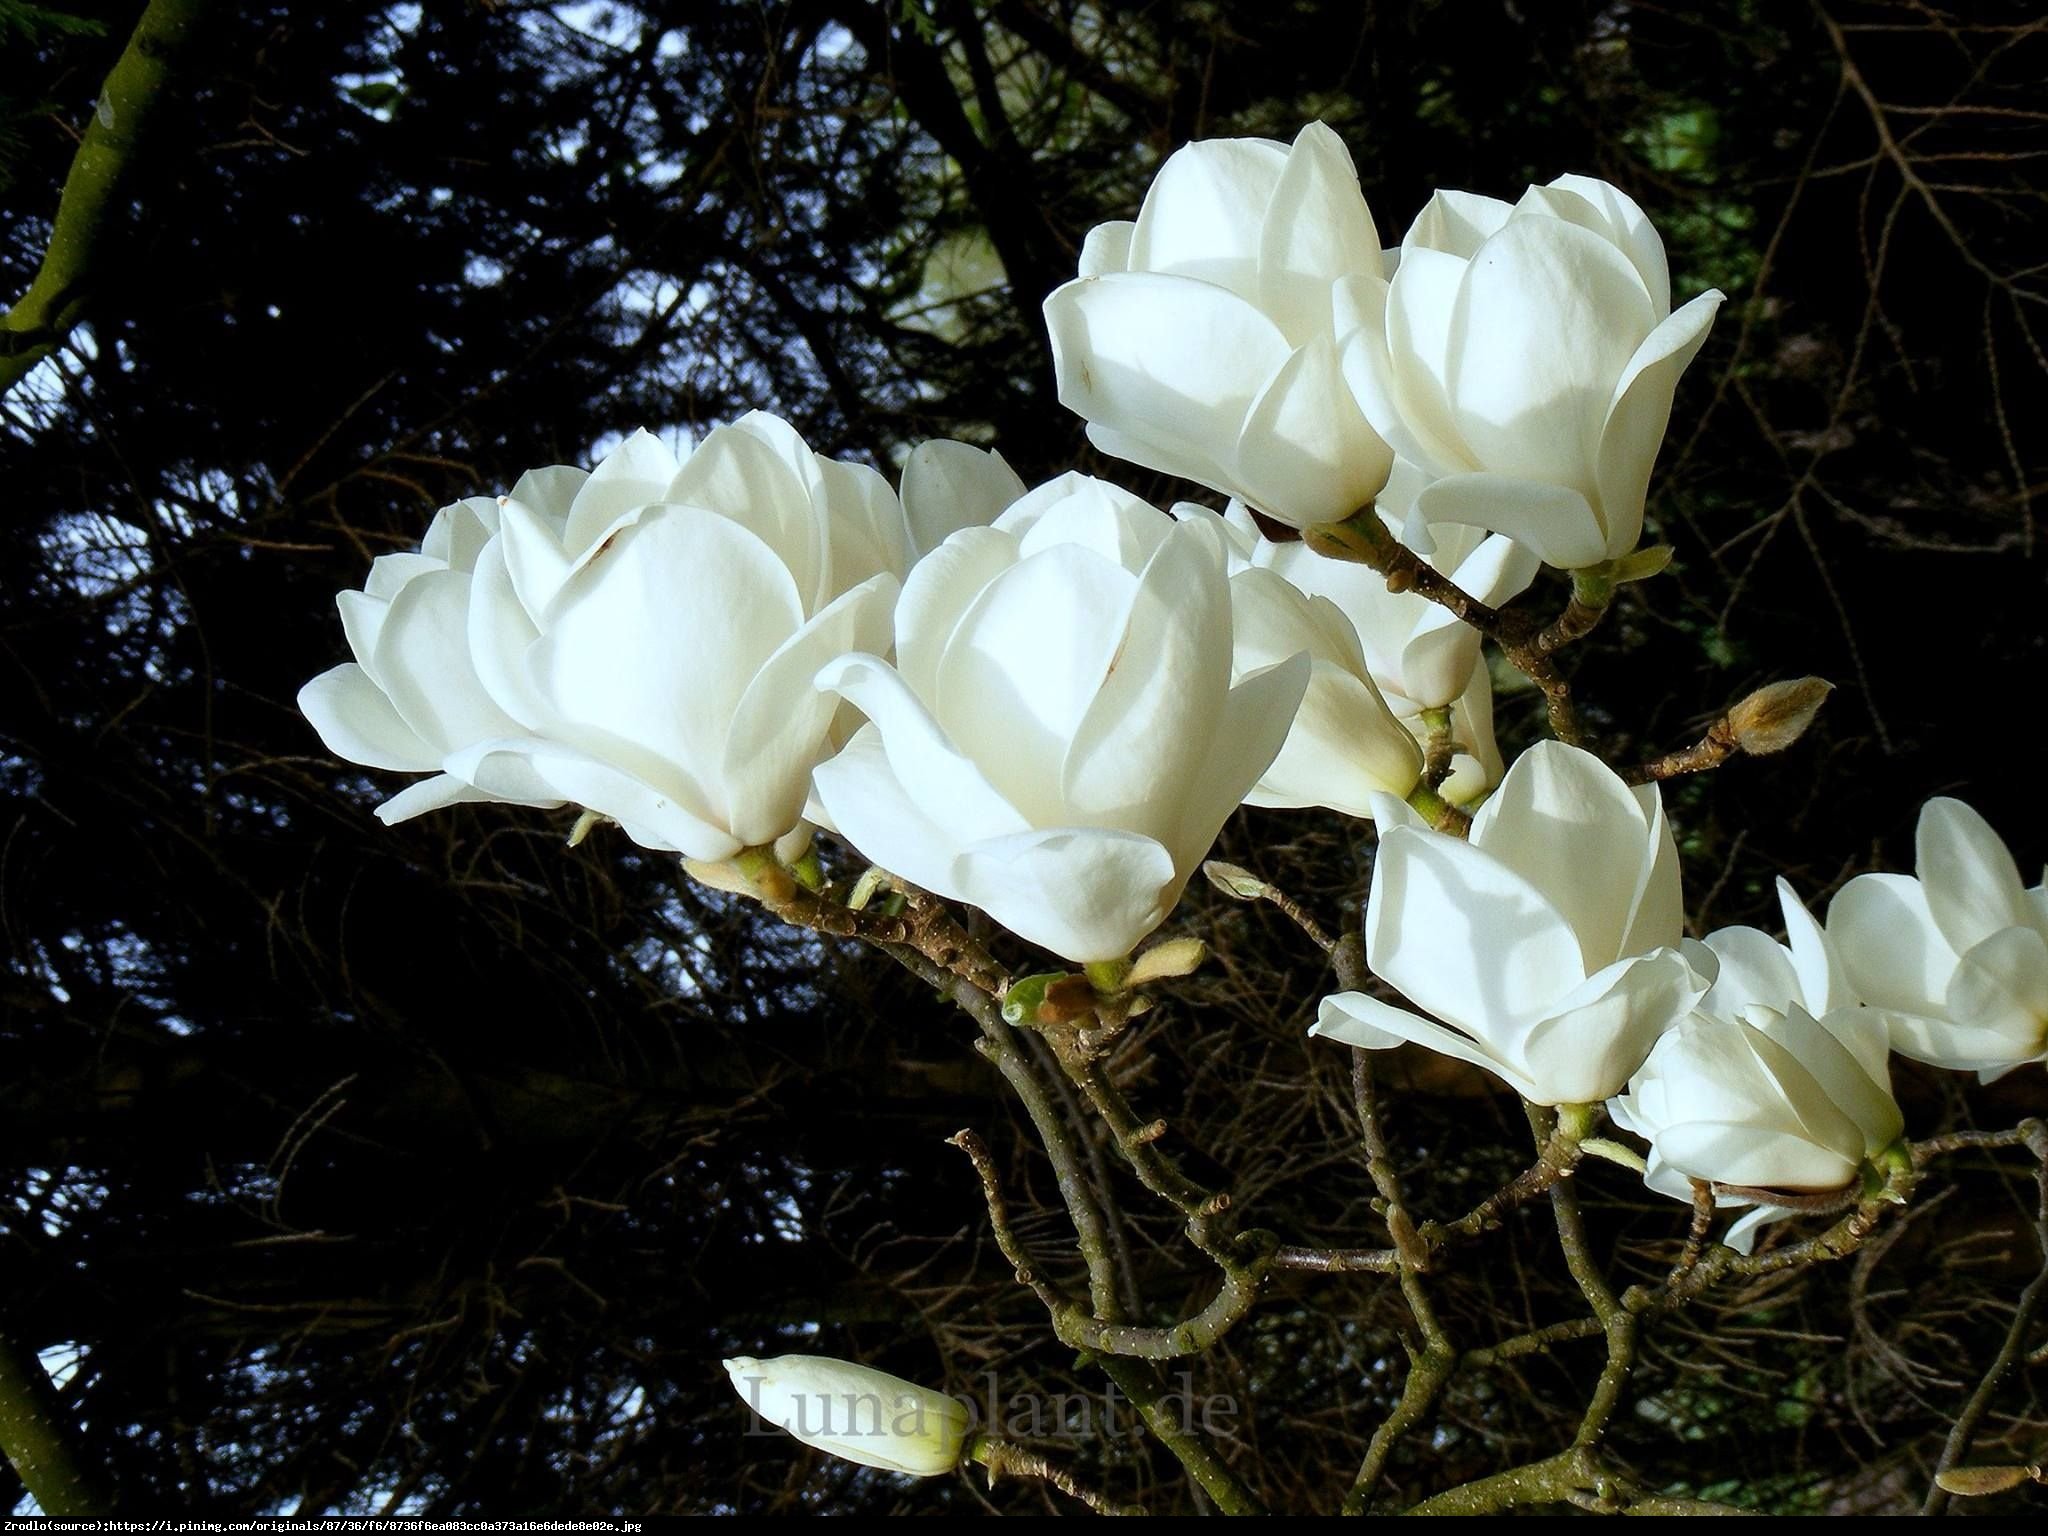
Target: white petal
1170 361
1754 968
533 555
633 475
1894 955
1554 522
866 533
1253 728
1613 214
1316 230
1415 396
746 475
1464 937
356 721
941 778
1084 893
1823 982
868 805
424 664
1638 415
1455 224
2002 984
1107 248
1356 1018
1605 1028
779 730
1306 455
530 771
1857 1074
1971 882
1547 321
942 587
434 794
500 634
948 486
653 641
1203 213
1761 1157
1566 823
549 493
1147 736
1024 666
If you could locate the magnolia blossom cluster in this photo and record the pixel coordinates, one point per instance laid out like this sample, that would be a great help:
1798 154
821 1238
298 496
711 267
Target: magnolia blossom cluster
1046 702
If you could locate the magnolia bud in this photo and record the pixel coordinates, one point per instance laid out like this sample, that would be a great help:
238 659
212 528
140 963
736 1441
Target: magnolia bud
1234 881
854 1412
1175 957
1777 715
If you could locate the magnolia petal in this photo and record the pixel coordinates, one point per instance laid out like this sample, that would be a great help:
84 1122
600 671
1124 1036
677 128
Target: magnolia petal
1025 667
1753 968
434 794
2002 984
1107 248
549 492
529 771
356 721
652 643
945 781
1356 1018
1463 936
1167 360
1606 1027
1085 893
500 634
1759 1157
1204 210
939 590
423 663
1607 210
1547 320
746 475
1894 955
1315 230
1554 522
1970 879
633 475
1638 415
948 486
1566 823
868 805
1151 725
1306 455
778 732
1344 748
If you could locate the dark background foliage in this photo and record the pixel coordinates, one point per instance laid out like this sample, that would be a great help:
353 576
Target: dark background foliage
434 1170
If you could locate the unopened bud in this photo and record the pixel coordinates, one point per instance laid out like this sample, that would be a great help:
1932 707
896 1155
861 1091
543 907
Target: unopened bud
1974 1482
1777 715
1235 882
1175 957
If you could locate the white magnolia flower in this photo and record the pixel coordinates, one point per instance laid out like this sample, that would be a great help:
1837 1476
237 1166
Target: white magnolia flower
1200 340
1957 958
855 1412
652 632
1547 939
1059 741
1525 358
411 699
1772 1101
948 486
